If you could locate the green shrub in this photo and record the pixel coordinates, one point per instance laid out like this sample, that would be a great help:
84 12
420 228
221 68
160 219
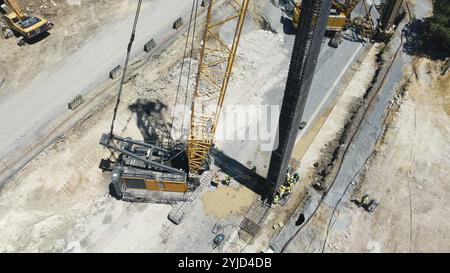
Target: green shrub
437 35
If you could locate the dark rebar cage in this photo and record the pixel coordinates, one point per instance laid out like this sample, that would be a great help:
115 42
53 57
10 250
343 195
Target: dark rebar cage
308 41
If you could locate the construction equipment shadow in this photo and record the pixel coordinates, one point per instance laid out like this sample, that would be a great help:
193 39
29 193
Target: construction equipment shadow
239 172
151 121
37 39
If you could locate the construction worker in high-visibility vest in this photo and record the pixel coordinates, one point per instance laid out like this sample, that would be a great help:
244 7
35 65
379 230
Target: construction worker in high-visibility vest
227 180
281 190
288 178
295 178
215 181
276 199
364 201
288 189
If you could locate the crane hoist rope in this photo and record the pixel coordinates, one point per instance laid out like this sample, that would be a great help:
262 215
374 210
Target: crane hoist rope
124 72
190 63
193 13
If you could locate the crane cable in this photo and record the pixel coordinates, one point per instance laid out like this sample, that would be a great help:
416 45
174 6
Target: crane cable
182 64
124 72
190 64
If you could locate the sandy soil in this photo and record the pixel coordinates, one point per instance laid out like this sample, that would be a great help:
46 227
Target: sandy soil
408 174
226 200
22 64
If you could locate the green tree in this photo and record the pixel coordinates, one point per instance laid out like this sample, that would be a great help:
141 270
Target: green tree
437 35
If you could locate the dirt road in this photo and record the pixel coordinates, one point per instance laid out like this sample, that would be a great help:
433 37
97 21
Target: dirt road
26 113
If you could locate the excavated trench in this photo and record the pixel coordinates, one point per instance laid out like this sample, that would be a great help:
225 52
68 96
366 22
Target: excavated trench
335 149
327 170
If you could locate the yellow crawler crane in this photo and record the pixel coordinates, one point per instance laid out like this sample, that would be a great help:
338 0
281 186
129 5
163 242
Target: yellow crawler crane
22 25
144 172
216 63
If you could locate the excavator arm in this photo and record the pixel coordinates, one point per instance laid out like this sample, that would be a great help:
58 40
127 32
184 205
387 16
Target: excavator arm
24 26
14 6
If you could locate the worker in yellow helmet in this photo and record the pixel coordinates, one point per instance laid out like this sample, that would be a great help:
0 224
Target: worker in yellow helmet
227 180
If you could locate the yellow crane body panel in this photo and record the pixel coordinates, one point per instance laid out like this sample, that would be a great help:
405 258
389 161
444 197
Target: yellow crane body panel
155 185
335 22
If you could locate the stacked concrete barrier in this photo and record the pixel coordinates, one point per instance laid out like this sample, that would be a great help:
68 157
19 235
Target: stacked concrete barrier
150 45
76 102
115 72
178 23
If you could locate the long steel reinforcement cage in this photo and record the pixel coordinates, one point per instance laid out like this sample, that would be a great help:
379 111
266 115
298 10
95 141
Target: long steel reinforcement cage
307 46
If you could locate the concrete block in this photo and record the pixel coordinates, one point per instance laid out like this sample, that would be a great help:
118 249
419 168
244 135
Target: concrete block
150 45
76 102
115 72
178 23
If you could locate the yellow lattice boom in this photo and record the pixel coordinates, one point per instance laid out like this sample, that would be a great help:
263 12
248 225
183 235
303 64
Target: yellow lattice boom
215 66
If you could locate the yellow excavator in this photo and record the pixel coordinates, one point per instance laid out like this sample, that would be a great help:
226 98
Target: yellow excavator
23 25
339 16
339 19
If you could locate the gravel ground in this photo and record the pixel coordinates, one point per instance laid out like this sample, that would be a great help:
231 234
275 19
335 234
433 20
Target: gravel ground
407 174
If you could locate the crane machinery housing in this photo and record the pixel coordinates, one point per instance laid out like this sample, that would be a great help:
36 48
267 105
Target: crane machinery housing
165 173
341 18
24 26
340 14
